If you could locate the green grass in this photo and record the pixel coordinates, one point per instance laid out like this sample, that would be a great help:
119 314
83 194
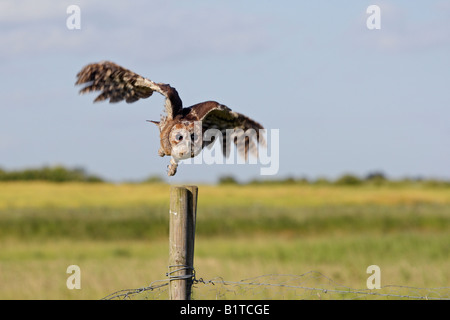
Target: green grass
137 223
118 235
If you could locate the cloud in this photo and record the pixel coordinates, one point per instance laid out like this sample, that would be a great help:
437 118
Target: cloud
153 30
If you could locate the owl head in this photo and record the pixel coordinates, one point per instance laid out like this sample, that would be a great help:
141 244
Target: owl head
185 140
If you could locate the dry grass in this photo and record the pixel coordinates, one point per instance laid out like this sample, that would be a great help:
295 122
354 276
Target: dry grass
42 194
117 235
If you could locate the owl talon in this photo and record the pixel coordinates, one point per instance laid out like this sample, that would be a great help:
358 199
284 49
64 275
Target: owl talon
172 168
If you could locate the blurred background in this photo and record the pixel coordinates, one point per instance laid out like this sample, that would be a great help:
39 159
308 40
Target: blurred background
345 98
362 115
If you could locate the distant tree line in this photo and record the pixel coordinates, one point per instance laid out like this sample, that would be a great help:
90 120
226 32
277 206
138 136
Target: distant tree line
373 178
62 174
53 174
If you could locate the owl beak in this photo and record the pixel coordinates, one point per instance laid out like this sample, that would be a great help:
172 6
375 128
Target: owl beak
155 122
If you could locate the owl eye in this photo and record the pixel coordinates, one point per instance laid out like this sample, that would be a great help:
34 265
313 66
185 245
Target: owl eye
179 137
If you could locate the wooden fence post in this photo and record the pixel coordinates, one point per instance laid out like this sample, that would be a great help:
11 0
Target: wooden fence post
183 213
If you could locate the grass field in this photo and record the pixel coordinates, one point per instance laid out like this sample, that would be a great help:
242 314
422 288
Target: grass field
118 235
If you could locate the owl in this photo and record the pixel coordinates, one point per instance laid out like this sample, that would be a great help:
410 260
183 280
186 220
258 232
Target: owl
182 130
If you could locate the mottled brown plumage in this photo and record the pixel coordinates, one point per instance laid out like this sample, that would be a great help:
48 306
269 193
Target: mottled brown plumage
178 132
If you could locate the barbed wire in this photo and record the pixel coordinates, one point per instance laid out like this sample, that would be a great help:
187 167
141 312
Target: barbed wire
309 285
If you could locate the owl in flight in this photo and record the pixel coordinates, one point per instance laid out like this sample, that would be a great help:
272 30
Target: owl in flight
182 130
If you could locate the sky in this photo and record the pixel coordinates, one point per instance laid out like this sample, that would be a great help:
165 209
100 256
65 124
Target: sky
344 98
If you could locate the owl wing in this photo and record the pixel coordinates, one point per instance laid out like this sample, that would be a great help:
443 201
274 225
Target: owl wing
216 116
117 83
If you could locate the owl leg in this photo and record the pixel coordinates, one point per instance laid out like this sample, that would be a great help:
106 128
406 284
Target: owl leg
161 152
172 168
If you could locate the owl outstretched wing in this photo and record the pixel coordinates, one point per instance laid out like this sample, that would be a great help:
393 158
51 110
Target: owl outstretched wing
245 132
117 83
